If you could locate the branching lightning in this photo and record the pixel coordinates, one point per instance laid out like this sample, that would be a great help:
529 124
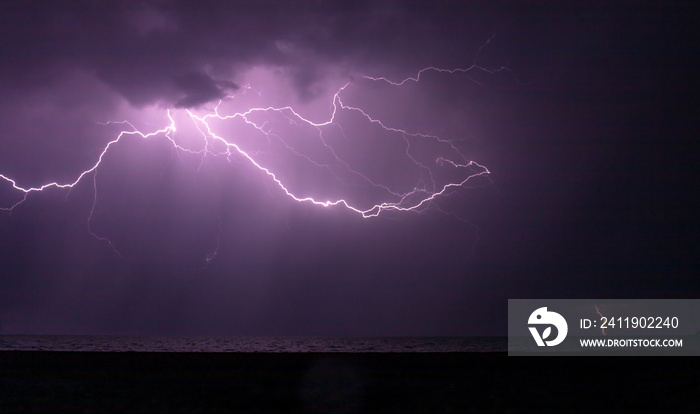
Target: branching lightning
215 144
474 66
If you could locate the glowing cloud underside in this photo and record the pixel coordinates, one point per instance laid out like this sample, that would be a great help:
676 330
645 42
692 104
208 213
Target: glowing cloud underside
279 142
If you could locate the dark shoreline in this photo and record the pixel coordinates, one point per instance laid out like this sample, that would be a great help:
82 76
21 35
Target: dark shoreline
33 381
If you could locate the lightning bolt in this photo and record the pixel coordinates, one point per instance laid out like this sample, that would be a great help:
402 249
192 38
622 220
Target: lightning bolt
474 67
215 144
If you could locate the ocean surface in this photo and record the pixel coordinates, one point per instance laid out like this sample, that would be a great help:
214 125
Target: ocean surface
103 343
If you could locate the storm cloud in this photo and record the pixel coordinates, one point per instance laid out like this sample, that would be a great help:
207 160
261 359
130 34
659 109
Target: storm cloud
141 49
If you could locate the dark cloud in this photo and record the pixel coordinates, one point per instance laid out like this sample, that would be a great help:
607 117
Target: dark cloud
138 48
199 88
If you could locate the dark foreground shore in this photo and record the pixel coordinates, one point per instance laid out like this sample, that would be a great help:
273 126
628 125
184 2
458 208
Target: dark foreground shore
316 382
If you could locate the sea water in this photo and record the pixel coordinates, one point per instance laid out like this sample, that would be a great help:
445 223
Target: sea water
105 343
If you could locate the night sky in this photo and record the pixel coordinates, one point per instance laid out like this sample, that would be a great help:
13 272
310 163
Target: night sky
586 118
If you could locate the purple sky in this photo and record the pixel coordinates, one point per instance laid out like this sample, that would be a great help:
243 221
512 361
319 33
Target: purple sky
585 137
